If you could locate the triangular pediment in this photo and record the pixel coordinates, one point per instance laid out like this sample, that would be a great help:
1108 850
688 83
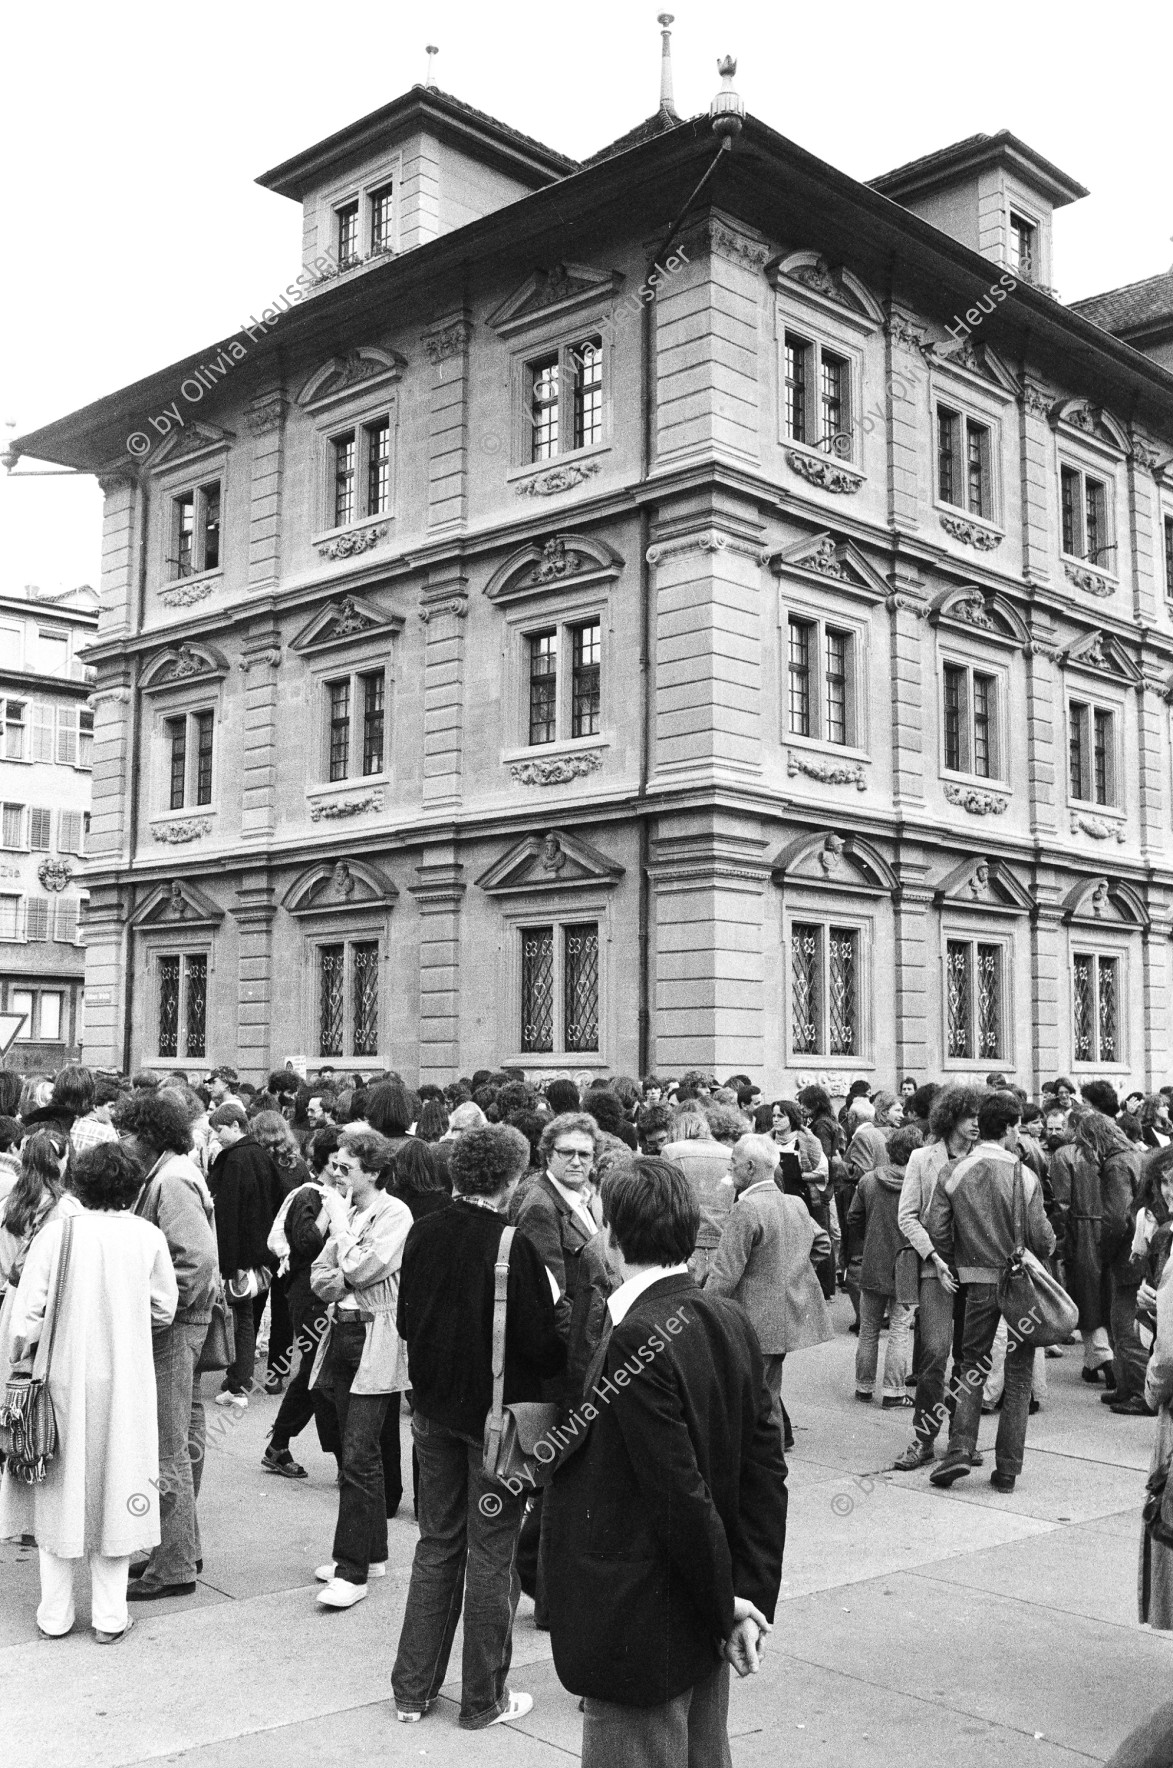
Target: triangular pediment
1105 901
177 904
975 358
822 555
1090 420
830 860
561 288
1100 654
343 621
544 564
814 275
980 883
982 609
551 861
339 887
366 366
184 665
196 437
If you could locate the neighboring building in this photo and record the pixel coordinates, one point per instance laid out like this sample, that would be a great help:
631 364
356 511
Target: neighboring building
46 760
555 642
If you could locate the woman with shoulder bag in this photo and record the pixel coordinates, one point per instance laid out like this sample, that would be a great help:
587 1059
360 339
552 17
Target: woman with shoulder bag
39 1196
1155 1588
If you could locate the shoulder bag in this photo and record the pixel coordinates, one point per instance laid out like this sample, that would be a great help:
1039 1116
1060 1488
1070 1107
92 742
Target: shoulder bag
28 1426
1035 1306
219 1350
513 1434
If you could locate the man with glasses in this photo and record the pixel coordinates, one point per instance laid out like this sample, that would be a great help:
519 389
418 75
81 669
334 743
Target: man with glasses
556 1216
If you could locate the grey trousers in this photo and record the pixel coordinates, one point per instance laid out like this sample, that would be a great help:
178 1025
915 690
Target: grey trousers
688 1732
180 1412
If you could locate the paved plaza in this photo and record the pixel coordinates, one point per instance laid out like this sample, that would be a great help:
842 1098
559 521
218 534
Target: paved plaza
914 1626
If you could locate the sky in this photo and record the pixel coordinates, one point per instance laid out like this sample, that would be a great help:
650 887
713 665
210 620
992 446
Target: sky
134 233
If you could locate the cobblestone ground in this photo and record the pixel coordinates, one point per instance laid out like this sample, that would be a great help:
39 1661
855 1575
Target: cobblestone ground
915 1626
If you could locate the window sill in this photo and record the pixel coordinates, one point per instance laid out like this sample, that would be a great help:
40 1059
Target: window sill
825 747
355 537
856 1065
552 751
174 828
1113 813
343 799
982 532
829 472
548 1060
571 457
1092 579
180 592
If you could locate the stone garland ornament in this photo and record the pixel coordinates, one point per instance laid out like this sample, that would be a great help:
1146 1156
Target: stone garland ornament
977 802
347 545
555 562
189 829
185 596
558 479
54 873
1089 581
338 808
1097 828
970 534
557 771
451 341
823 473
828 773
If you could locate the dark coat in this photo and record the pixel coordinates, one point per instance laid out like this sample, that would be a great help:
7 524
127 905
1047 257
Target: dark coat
550 1224
1098 1243
874 1231
247 1190
675 1503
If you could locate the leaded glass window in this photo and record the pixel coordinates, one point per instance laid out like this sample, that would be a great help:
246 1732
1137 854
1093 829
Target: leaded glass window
537 989
580 987
954 717
977 469
948 426
331 970
842 1016
169 1006
973 1001
1069 496
196 1005
365 985
805 967
1097 1008
983 720
824 990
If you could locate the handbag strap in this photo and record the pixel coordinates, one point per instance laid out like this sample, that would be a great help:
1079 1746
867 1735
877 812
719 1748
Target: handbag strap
1019 1207
500 1304
58 1288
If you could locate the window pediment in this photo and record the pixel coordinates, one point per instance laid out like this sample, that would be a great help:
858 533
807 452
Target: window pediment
548 294
341 887
821 556
187 665
1099 654
343 621
553 861
808 273
177 905
194 440
360 370
984 884
563 559
967 357
988 613
831 861
1088 420
1098 902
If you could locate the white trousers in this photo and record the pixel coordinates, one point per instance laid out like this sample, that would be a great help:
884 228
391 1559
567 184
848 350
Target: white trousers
108 1610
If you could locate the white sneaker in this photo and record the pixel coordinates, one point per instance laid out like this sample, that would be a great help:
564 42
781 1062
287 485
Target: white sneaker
240 1401
325 1573
519 1706
339 1594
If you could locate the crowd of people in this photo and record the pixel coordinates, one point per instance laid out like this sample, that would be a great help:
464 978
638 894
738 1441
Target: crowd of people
675 1240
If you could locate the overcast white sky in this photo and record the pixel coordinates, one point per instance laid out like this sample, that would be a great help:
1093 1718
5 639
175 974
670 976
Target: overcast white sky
133 132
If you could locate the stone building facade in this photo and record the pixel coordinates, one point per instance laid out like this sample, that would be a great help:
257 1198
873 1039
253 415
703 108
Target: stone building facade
46 755
603 626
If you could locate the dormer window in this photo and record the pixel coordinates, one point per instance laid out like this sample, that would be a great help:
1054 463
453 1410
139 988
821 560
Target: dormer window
382 211
1086 517
195 531
1023 248
347 223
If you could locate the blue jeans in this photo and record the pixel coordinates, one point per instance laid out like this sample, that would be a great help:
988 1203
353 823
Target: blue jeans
180 1412
982 1315
361 1534
467 1552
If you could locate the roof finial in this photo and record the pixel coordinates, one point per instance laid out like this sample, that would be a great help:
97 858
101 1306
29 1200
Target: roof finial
667 101
431 52
727 110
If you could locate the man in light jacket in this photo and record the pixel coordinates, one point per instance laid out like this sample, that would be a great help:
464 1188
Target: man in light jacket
766 1260
971 1224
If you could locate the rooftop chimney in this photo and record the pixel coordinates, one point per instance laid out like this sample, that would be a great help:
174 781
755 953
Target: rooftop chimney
432 51
667 101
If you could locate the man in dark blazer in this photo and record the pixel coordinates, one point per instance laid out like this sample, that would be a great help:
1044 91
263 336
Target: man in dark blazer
666 1520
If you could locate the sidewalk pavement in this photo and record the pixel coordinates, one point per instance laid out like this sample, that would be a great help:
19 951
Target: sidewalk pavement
916 1627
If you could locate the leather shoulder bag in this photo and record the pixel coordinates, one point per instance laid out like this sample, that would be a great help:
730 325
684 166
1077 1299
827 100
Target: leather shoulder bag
28 1425
1035 1305
515 1436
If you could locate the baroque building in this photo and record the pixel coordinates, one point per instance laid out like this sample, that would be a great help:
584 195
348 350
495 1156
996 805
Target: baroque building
687 607
46 756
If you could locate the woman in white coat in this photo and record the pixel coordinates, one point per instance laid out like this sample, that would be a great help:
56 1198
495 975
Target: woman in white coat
99 1498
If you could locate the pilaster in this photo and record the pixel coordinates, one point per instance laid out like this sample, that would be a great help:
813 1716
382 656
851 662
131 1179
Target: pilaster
107 960
1036 454
914 963
265 418
1146 540
111 784
904 364
257 691
446 345
1156 950
254 911
1048 983
1043 720
439 893
123 514
907 611
1152 715
707 323
444 612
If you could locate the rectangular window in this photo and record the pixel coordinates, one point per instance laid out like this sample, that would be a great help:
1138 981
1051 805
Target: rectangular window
347 222
372 725
974 1001
52 652
564 392
10 920
587 367
184 533
85 739
343 447
977 468
797 354
339 692
195 531
580 987
1091 750
169 1006
182 1003
585 654
382 203
365 993
1022 248
14 727
67 736
331 999
13 826
537 989
50 1017
37 918
948 448
799 673
560 989
964 474
544 407
204 722
20 1001
824 990
69 829
832 406
543 687
65 922
176 729
835 686
1085 517
211 527
378 437
348 998
970 722
40 829
195 1014
1096 1004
